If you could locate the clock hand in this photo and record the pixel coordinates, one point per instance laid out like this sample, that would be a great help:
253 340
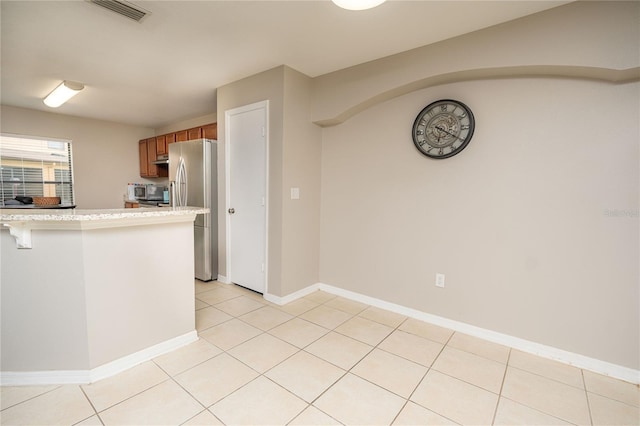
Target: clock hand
449 133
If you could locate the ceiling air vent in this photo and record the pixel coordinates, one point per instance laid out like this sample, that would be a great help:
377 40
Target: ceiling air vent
123 8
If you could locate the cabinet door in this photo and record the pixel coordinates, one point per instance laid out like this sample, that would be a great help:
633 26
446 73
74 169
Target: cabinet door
161 145
148 154
182 136
151 157
170 138
210 131
144 158
195 133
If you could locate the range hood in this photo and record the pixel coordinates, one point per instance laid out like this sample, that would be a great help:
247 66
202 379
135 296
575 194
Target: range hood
162 159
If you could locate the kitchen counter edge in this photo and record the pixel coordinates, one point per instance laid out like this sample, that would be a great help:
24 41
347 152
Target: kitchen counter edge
74 215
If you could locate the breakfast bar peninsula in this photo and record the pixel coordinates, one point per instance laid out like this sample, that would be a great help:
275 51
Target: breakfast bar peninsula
89 293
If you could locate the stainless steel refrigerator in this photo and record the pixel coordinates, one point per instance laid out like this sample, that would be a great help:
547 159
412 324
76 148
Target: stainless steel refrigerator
193 182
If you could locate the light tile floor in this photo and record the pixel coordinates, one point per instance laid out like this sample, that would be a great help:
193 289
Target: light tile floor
325 360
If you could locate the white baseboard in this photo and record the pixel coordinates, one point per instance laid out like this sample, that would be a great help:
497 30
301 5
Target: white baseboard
223 279
114 367
566 357
291 297
22 378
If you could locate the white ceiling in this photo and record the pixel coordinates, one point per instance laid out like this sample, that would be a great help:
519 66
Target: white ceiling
166 68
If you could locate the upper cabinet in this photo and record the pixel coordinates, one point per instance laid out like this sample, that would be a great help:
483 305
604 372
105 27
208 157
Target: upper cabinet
148 151
161 145
195 133
182 136
210 131
158 146
144 158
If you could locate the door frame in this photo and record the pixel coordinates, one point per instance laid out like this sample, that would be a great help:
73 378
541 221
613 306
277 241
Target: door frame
264 105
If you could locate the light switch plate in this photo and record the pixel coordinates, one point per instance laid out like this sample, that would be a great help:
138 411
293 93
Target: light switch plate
295 193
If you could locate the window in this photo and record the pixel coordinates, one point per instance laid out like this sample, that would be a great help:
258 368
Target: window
35 167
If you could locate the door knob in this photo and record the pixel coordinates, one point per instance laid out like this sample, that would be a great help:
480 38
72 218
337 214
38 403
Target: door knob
232 210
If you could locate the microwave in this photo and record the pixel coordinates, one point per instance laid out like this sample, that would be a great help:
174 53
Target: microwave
149 192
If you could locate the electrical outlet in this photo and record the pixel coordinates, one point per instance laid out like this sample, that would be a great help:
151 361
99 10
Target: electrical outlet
295 193
440 280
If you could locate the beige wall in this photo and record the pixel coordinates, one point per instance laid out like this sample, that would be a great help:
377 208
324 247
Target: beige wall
520 222
301 169
105 154
268 85
294 161
535 224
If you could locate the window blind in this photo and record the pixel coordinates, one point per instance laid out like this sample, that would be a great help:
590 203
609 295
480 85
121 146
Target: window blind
35 167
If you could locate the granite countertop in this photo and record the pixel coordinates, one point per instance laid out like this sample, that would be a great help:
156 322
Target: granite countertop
36 206
65 215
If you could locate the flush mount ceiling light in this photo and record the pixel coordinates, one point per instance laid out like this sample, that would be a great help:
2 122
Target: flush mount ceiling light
358 4
61 94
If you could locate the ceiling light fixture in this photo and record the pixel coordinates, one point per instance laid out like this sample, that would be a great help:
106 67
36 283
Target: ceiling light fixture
358 4
61 94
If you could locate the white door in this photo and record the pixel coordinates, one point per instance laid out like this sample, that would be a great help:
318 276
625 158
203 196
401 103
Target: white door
246 130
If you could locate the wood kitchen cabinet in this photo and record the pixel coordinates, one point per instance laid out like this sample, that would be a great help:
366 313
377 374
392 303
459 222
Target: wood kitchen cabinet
170 138
195 133
161 145
210 131
182 135
144 158
151 148
148 154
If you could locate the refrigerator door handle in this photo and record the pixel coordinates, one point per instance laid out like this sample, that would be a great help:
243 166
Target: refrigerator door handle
186 183
177 185
181 184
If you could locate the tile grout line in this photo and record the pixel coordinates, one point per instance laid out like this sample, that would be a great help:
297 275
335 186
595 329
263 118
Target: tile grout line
504 378
207 408
397 328
408 399
33 397
309 404
172 378
200 412
537 410
459 379
546 377
346 372
262 374
136 394
353 315
92 406
586 395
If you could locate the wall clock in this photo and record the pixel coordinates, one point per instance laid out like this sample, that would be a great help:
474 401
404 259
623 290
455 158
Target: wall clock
443 128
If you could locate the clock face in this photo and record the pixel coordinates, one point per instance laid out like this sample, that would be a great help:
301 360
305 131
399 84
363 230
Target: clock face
443 128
